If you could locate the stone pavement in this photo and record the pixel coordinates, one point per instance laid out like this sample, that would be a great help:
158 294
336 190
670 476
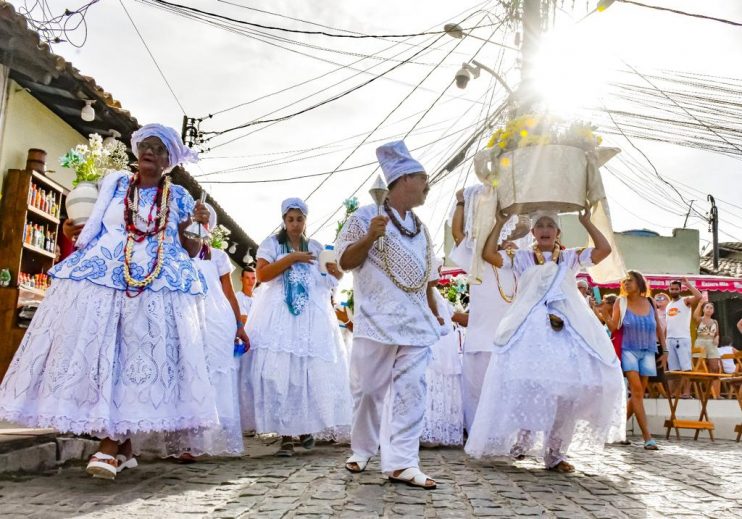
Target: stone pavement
693 479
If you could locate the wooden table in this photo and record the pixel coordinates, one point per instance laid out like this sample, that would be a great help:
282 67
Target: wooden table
702 382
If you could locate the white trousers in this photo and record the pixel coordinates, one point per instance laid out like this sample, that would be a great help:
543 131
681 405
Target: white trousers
474 369
388 386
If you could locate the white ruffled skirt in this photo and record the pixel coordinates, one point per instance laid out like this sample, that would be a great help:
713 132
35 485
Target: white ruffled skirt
444 407
544 394
98 362
293 395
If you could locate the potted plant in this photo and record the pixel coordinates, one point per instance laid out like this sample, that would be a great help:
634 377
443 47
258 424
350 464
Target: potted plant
90 163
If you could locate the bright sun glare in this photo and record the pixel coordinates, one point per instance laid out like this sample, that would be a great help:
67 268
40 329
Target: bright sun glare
570 73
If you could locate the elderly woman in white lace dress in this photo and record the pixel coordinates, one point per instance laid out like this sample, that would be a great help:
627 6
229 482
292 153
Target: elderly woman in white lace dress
116 349
297 365
553 381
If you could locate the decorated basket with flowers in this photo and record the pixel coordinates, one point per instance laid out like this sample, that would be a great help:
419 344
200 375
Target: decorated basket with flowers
91 162
542 162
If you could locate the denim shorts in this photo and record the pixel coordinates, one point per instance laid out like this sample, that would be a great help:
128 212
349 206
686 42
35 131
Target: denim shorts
641 361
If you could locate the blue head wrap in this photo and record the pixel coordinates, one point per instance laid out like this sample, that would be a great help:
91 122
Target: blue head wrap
395 161
178 153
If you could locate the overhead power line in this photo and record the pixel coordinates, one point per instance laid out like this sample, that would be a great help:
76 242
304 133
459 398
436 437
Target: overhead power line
152 56
684 13
348 35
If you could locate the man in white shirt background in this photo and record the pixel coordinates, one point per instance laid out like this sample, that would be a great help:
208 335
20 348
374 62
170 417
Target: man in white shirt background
678 318
244 296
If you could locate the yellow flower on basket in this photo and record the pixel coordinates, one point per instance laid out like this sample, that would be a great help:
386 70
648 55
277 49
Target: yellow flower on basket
504 162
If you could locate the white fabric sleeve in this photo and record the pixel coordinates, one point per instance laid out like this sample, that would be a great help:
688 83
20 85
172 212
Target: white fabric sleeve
578 258
267 249
223 265
434 276
353 230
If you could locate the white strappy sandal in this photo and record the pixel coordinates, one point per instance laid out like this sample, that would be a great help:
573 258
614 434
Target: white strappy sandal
360 461
126 463
413 477
102 466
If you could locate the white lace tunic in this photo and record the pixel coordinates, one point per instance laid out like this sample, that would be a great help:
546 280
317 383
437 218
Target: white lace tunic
383 312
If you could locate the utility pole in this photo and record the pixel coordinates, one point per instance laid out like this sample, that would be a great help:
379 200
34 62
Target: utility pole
190 133
714 228
529 49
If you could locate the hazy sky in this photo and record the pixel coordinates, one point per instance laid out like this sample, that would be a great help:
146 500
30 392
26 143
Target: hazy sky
212 69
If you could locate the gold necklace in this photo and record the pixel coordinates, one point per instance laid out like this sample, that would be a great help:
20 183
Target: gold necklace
508 299
428 268
540 255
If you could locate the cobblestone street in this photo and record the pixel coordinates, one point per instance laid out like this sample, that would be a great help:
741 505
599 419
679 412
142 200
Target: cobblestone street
700 479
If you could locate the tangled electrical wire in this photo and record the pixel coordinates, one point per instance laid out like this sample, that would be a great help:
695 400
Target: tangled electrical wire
57 28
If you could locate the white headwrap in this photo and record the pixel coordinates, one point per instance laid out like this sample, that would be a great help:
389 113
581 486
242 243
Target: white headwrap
551 215
178 153
294 203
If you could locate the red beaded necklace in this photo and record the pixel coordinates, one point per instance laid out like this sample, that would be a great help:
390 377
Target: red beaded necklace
158 215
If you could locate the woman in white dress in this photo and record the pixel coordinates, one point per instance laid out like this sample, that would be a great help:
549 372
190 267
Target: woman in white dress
116 349
224 328
298 366
554 381
444 410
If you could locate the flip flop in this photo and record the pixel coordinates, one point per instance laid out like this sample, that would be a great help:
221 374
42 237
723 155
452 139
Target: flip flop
286 450
413 477
102 466
360 463
307 441
651 445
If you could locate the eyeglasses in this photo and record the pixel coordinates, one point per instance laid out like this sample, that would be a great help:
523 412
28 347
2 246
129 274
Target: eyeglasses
155 146
660 298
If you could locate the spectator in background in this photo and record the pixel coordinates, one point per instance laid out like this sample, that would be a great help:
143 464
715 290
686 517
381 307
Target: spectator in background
584 287
678 313
636 315
244 296
604 309
661 300
726 348
707 337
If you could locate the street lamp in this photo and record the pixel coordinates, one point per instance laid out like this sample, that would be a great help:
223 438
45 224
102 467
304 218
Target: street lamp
456 31
467 72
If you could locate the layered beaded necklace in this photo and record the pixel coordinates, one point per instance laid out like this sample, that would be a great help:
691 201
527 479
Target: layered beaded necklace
420 285
154 224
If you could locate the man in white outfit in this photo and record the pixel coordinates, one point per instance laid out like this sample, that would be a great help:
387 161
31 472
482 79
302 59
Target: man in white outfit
488 301
678 318
395 320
